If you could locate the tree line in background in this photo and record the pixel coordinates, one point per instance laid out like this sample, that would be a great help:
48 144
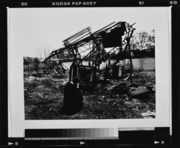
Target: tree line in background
31 64
34 66
143 44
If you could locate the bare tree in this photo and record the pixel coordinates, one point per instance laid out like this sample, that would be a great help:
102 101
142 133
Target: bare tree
134 43
36 63
46 52
152 39
26 64
143 44
143 39
28 61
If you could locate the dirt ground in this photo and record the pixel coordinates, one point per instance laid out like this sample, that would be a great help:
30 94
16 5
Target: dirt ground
44 98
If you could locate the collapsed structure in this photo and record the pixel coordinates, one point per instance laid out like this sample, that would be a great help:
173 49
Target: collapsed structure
109 45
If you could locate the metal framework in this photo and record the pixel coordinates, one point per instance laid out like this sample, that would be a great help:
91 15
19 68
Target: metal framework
95 48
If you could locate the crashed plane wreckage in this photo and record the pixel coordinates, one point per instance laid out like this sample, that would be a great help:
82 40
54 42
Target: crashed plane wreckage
109 45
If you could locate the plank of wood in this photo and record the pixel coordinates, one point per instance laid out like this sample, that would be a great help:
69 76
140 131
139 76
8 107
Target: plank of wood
139 91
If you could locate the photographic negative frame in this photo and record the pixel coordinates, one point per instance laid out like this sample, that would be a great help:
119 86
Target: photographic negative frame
161 25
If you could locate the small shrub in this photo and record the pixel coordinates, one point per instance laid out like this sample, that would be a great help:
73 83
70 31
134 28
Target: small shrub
47 82
31 85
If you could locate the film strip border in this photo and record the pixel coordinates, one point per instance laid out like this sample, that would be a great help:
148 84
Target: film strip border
90 3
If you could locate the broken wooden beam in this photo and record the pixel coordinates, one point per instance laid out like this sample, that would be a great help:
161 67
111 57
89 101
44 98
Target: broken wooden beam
121 88
139 92
148 114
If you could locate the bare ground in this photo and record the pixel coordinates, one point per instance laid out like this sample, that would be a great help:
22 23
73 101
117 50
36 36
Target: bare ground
44 99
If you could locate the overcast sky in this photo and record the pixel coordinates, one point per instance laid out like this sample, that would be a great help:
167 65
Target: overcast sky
31 30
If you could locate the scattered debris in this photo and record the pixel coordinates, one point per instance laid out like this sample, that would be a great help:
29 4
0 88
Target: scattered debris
31 78
148 114
45 99
121 88
139 91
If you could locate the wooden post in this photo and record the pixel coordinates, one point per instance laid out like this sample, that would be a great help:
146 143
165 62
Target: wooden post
128 41
130 65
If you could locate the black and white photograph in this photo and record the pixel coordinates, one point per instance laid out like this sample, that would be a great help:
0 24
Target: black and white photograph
90 67
88 64
94 70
